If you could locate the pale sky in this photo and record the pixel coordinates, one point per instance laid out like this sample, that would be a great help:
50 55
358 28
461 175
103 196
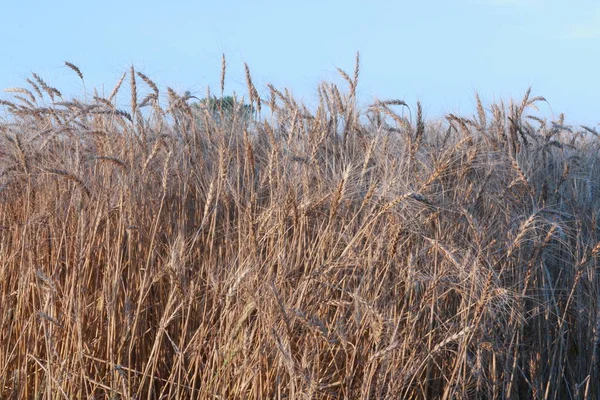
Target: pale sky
439 52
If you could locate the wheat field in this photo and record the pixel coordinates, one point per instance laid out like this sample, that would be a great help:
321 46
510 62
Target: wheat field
166 250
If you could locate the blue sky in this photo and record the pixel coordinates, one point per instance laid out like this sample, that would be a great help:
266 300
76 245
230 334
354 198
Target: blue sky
439 52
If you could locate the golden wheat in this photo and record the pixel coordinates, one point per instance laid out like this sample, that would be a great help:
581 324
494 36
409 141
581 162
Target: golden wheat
334 252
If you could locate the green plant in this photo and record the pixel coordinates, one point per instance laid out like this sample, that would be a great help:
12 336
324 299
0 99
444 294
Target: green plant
226 108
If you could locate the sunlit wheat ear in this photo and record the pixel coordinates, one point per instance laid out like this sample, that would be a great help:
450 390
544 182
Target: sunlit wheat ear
249 83
155 147
50 91
395 102
521 176
150 98
104 102
338 103
452 338
24 91
114 160
21 156
461 123
356 73
480 113
253 93
346 77
223 70
165 172
368 155
133 87
420 127
69 176
115 90
149 82
74 68
35 87
338 195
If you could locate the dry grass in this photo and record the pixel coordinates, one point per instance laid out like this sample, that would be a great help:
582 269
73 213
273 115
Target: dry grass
339 253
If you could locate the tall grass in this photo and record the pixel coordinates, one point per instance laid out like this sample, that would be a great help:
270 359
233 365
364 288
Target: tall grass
162 252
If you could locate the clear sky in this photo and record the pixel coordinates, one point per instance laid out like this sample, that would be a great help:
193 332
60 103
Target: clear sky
440 52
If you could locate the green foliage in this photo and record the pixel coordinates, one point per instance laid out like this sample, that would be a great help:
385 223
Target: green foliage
225 108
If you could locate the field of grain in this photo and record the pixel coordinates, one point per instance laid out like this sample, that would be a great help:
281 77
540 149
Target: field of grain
171 251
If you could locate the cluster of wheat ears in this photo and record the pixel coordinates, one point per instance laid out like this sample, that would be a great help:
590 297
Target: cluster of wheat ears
160 252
